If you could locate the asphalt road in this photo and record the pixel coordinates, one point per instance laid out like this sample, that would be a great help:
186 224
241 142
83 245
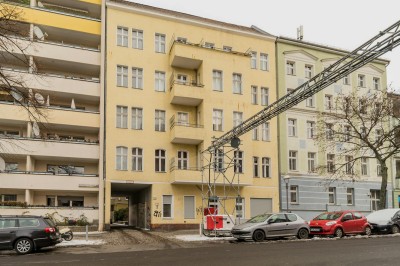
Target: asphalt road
364 251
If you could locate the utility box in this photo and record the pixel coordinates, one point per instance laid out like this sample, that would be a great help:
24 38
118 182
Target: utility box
218 225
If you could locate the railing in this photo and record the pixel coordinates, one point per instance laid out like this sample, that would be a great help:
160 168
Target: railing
173 123
46 173
53 139
191 83
173 165
55 108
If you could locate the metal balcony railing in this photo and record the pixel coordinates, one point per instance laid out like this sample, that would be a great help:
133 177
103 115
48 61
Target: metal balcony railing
178 123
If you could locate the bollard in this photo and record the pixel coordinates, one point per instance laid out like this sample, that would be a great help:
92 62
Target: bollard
87 232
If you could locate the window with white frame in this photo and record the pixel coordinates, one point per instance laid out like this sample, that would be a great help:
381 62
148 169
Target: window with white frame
350 196
237 83
346 80
256 167
329 131
292 127
255 133
293 160
363 106
311 162
310 129
265 132
183 160
266 167
375 198
159 43
159 81
310 101
219 160
159 121
122 76
238 162
330 163
217 80
183 118
121 158
290 68
217 120
328 102
137 39
137 159
122 36
167 207
137 78
347 132
378 168
364 166
253 60
240 208
137 118
264 61
308 71
160 159
349 164
122 116
264 96
294 194
377 83
361 80
237 118
332 195
254 94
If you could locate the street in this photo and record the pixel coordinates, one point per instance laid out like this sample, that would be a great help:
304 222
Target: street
347 251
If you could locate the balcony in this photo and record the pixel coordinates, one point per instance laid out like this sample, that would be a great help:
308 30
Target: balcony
48 181
185 133
185 93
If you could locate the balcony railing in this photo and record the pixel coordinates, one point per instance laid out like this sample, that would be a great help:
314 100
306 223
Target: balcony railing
46 173
53 138
192 83
55 107
183 165
173 123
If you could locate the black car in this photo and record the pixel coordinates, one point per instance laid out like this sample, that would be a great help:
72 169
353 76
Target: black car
385 221
27 233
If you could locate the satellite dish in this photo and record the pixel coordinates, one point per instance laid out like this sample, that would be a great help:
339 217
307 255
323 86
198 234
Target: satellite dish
235 142
2 164
39 98
35 129
39 33
16 95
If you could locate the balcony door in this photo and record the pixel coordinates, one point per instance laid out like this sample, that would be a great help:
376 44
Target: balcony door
182 79
183 160
183 119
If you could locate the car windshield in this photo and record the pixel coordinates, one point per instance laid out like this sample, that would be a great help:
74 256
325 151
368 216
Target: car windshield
329 216
382 214
259 218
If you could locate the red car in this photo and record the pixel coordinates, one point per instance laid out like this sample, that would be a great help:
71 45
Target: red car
339 223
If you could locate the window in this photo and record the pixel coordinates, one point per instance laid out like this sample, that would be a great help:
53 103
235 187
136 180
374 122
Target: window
293 160
255 133
292 132
311 162
363 106
310 101
376 83
227 48
346 80
332 195
159 81
9 167
329 131
137 159
237 118
137 78
8 197
349 164
217 120
8 223
159 120
379 168
375 195
122 36
240 205
330 163
183 160
310 129
183 119
181 39
137 118
253 60
189 207
350 196
237 83
363 132
160 43
378 134
364 166
122 158
254 94
290 68
255 167
69 201
160 160
265 136
361 80
308 71
264 96
347 133
182 79
65 169
209 45
122 116
294 194
217 80
328 102
263 61
122 76
167 206
266 169
238 162
137 39
219 160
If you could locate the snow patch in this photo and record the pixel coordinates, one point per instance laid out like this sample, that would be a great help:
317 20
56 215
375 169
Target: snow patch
78 242
202 238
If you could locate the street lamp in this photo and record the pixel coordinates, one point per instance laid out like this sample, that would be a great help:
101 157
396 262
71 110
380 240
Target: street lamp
286 180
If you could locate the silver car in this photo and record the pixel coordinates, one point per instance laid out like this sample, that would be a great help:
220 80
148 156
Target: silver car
271 225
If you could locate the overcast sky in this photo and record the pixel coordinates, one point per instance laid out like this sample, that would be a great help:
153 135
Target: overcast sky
339 23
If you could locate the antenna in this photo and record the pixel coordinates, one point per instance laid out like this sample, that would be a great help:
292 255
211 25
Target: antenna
35 129
39 33
2 164
39 98
300 34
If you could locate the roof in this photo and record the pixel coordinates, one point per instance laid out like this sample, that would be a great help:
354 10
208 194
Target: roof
181 15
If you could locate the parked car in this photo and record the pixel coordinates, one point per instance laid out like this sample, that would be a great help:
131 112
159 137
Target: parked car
385 221
271 225
27 233
339 223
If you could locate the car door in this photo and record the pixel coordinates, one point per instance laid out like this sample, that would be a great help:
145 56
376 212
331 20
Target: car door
348 223
8 230
277 225
359 222
292 224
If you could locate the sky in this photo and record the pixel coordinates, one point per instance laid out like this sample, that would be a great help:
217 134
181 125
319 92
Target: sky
342 24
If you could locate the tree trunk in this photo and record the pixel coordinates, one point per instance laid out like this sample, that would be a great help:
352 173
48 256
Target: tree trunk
382 195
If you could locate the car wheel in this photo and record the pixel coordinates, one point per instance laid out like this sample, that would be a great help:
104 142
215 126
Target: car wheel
302 233
338 233
68 236
367 231
23 246
395 229
258 235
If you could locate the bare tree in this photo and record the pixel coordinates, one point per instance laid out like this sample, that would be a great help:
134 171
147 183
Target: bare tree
354 131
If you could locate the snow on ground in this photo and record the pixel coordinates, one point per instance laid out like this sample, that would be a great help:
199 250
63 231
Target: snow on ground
80 242
202 238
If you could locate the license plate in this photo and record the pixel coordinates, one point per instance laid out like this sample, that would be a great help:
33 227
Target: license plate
315 229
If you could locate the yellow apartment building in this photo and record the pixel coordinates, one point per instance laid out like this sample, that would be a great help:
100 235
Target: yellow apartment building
174 82
53 164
